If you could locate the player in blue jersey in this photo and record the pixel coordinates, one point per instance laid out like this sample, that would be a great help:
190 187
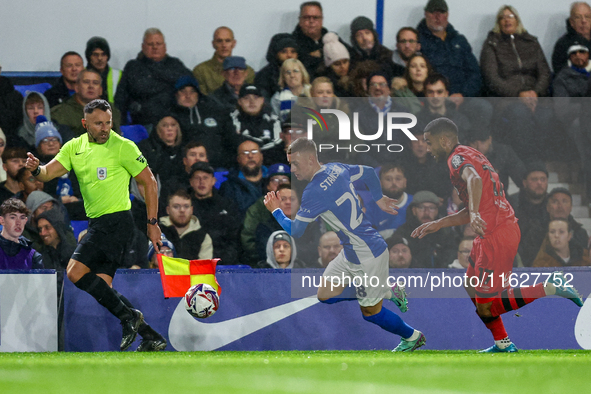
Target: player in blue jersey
331 195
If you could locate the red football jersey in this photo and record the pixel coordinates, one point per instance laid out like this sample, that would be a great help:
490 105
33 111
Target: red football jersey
494 208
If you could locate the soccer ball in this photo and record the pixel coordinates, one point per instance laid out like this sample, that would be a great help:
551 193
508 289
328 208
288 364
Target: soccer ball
201 301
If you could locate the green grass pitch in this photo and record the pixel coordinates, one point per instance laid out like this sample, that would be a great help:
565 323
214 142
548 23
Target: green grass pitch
364 372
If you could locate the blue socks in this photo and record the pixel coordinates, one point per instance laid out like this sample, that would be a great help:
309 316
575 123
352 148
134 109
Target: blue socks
391 322
348 294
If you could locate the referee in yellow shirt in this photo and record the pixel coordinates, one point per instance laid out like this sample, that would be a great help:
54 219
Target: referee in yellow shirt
104 163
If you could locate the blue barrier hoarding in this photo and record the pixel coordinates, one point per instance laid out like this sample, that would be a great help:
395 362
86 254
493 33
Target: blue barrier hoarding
257 312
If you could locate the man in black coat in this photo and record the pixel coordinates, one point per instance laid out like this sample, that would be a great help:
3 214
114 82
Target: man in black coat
146 89
217 214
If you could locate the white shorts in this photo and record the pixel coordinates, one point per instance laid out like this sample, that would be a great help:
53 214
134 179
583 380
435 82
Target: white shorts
370 278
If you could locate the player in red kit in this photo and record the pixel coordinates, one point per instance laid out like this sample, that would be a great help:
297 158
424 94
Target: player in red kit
493 219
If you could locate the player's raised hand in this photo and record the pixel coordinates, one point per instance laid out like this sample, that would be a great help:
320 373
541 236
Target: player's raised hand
477 224
272 201
425 229
32 162
388 205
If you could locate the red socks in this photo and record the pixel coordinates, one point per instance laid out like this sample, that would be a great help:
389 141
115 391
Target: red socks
497 328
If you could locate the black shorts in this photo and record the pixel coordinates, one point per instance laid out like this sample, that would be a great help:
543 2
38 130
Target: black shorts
104 246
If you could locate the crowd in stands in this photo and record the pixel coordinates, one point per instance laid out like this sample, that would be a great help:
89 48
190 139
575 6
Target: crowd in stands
217 133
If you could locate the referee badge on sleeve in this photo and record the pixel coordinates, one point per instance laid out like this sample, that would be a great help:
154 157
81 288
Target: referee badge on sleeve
101 173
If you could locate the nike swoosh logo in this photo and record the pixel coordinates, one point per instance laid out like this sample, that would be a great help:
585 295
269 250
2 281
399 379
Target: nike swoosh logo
383 222
79 153
188 334
583 326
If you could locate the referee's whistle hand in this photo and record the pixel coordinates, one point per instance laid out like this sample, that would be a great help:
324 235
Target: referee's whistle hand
32 162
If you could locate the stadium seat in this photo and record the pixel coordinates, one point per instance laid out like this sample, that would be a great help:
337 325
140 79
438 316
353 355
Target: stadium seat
78 226
39 87
135 132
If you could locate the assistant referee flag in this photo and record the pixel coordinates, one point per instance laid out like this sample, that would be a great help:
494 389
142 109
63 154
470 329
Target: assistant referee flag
178 275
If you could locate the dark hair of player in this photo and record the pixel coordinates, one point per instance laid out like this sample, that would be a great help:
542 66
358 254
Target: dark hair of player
302 145
13 205
101 104
442 126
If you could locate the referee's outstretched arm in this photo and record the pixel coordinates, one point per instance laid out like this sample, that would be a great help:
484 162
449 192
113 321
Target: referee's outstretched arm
53 169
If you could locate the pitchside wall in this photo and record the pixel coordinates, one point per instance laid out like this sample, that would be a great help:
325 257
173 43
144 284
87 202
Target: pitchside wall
36 33
258 311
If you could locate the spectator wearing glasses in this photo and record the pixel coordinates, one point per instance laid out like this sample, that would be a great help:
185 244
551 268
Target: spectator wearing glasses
407 45
434 250
512 61
258 215
245 184
578 32
309 33
294 82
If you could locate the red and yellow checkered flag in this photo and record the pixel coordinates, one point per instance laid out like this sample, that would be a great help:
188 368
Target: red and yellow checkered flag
178 275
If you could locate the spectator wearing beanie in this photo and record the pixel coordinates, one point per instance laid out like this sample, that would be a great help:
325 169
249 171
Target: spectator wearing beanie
282 47
336 65
98 54
48 140
366 46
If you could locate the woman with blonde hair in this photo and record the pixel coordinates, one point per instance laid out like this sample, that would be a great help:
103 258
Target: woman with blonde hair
512 61
294 82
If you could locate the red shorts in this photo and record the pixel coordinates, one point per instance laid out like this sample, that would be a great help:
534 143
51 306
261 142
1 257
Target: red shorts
491 261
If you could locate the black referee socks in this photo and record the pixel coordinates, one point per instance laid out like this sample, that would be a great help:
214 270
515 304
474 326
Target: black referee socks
105 295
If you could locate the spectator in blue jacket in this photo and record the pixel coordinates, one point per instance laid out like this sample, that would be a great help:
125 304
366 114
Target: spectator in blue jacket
245 184
449 52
